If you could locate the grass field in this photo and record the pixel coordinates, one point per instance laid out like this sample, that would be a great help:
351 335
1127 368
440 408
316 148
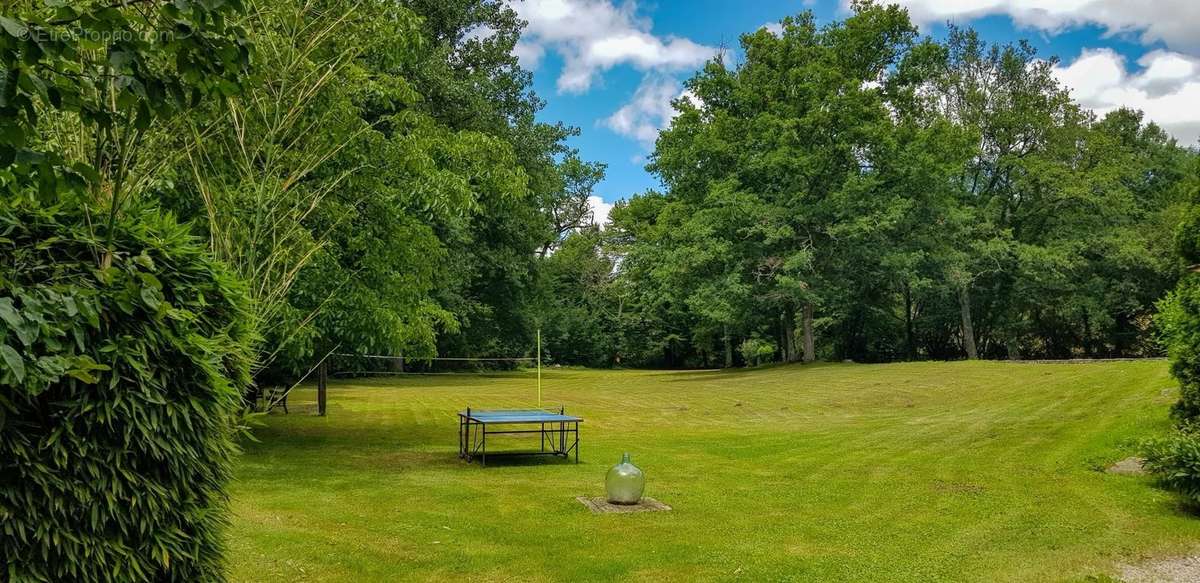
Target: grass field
977 471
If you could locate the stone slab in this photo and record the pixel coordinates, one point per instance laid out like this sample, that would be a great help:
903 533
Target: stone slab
598 505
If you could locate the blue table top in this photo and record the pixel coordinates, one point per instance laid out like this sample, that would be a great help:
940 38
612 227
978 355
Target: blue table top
518 416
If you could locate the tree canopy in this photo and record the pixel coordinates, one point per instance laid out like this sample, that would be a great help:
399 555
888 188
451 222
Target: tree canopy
379 173
854 191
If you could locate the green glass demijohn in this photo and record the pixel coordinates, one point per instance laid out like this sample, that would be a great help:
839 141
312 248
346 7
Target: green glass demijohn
625 482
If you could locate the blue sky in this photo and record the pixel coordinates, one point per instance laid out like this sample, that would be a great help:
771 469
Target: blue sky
611 67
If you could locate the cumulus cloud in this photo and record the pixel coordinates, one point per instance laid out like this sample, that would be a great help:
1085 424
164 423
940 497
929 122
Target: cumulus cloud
1166 87
775 28
593 36
600 210
1174 22
649 111
529 54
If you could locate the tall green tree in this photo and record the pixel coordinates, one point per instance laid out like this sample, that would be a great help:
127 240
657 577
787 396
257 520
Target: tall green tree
768 174
471 81
853 192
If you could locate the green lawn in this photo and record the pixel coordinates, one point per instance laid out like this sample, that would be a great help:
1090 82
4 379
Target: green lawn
905 472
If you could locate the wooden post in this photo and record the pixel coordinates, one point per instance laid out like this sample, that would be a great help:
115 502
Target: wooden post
322 382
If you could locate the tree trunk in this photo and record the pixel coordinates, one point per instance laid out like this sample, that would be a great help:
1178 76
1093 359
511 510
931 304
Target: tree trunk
810 351
1089 349
910 339
1014 349
728 349
782 338
789 336
968 329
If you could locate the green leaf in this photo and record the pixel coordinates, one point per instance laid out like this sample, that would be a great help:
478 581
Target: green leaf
152 297
9 314
83 376
14 28
14 361
87 172
12 133
145 261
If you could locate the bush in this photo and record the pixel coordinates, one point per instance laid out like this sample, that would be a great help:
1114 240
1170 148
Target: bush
1175 461
119 393
1178 321
756 350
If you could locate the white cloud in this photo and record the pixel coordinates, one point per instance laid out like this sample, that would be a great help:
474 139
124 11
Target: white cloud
481 32
1174 22
1167 88
529 54
649 111
593 36
775 28
600 210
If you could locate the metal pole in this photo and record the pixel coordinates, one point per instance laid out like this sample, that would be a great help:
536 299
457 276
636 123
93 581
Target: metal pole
539 366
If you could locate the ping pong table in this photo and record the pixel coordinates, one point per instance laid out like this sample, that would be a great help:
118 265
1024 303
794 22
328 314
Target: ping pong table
558 431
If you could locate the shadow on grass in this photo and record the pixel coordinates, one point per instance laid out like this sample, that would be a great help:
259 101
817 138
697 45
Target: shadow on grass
344 449
506 459
706 375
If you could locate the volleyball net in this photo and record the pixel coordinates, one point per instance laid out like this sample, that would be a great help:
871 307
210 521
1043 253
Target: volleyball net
339 365
343 365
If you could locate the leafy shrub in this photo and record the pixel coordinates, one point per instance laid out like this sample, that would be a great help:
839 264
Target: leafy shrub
1178 321
756 350
1175 461
119 390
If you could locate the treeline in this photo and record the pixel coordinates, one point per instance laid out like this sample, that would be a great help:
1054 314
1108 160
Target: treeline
376 172
854 191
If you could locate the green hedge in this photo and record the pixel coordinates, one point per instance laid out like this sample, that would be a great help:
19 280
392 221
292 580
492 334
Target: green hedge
1175 460
1178 321
119 393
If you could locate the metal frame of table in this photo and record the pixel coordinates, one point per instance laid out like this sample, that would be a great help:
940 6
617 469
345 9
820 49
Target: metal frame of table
557 430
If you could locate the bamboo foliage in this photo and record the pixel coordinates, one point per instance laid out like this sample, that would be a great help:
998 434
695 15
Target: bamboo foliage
255 165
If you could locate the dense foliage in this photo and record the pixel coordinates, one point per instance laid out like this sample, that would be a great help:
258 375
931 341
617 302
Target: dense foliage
852 191
121 387
84 83
846 191
124 347
1179 313
1175 459
412 223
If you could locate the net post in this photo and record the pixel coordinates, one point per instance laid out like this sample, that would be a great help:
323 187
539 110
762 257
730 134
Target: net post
322 382
539 366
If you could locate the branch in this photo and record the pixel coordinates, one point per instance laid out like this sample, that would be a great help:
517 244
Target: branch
122 4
